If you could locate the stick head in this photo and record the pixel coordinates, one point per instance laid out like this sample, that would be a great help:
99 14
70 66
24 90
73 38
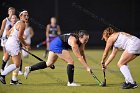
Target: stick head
52 67
103 84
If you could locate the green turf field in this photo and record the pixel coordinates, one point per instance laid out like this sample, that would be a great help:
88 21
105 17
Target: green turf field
54 81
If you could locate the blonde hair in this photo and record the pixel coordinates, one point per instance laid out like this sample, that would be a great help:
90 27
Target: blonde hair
107 32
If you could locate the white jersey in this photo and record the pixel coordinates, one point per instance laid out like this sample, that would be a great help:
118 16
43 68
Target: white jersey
4 38
7 24
27 35
13 44
128 42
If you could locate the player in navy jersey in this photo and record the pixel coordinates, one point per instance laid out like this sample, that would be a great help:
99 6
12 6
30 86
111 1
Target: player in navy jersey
59 48
52 31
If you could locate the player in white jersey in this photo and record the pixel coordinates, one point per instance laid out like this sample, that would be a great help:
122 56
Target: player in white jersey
28 34
13 45
131 49
6 22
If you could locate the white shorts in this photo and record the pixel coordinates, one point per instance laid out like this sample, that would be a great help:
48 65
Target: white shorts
133 46
13 50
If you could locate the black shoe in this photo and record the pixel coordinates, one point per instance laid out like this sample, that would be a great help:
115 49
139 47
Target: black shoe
2 79
129 85
15 82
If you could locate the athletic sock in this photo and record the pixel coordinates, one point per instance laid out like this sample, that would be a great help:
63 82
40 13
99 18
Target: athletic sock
40 65
7 63
8 69
15 74
70 72
20 69
3 64
126 72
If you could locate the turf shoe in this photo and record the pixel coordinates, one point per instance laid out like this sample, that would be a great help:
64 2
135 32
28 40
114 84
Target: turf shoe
20 73
2 79
73 84
15 82
27 71
129 85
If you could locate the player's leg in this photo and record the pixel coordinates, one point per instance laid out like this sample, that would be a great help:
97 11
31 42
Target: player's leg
122 64
5 61
20 69
16 60
52 57
70 68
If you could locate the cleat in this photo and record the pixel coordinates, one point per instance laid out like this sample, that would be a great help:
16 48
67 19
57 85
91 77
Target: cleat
129 85
2 79
15 82
73 84
27 71
20 73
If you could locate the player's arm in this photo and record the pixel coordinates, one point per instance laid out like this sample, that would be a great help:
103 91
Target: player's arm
2 27
21 27
58 30
82 48
47 32
76 51
111 56
109 44
8 30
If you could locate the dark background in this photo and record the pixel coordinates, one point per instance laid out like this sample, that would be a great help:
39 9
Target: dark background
123 14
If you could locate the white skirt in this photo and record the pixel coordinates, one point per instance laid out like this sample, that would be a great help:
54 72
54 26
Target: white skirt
133 45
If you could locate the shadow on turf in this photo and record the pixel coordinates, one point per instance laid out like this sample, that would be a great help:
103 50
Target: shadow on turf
108 85
46 84
64 84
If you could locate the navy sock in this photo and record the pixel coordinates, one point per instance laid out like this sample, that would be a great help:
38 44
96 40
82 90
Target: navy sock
70 72
20 69
40 65
3 64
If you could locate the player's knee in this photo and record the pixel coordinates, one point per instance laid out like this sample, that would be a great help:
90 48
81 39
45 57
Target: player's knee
71 62
17 65
119 64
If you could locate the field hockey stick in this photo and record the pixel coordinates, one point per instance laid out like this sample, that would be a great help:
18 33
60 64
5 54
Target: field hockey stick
52 67
104 82
96 79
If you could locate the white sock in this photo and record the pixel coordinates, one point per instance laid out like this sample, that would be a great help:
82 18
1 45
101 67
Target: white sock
15 74
126 72
9 69
7 64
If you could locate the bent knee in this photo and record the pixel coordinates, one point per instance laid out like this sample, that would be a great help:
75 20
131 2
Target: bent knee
17 66
71 62
119 64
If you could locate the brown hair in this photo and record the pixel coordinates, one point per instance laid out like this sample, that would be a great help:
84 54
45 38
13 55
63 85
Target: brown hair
107 32
80 33
11 8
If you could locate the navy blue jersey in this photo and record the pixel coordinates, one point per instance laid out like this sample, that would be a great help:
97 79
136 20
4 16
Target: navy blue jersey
53 30
64 38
